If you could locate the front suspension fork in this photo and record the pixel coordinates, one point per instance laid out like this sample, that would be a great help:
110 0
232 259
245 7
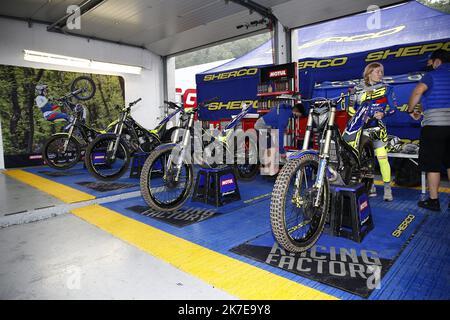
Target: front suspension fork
323 158
184 146
112 147
66 143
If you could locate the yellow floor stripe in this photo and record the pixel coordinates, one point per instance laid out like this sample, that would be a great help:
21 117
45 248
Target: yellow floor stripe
58 190
441 189
233 276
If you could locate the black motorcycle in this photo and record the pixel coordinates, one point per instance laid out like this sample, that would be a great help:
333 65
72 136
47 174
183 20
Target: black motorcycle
108 156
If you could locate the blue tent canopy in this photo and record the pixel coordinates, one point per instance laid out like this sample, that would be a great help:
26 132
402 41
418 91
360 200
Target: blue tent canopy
405 23
260 56
400 37
339 49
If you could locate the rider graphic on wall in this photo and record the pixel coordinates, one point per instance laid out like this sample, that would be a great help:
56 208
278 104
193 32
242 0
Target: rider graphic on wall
50 111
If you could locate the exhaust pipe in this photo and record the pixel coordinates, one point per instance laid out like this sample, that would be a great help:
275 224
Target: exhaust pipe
335 177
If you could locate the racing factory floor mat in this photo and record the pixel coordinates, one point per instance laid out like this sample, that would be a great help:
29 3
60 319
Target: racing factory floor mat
194 212
357 268
106 186
179 218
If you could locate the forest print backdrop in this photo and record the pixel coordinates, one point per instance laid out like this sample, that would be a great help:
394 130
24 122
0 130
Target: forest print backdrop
24 128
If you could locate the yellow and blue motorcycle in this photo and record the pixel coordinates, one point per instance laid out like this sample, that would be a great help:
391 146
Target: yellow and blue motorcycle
300 200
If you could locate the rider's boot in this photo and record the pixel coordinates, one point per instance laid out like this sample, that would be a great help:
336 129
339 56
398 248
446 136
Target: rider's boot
387 192
373 191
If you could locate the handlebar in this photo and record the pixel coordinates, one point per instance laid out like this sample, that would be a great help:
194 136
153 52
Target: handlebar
71 94
208 101
294 96
172 104
134 102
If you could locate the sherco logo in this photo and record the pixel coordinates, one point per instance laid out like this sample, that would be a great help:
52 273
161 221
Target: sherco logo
232 105
231 74
324 63
402 227
279 73
227 182
408 51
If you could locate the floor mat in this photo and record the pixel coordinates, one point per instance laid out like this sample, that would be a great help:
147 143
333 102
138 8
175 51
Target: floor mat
60 173
179 218
354 267
106 186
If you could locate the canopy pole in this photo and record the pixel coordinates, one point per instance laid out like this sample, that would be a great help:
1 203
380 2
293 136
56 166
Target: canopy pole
280 43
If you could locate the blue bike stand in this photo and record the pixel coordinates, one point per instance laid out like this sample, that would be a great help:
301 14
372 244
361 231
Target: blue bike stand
137 164
216 186
350 215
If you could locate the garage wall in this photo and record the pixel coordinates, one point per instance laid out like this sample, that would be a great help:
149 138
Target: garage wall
15 36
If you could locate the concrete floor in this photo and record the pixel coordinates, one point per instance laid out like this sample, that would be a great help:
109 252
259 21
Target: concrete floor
67 258
16 196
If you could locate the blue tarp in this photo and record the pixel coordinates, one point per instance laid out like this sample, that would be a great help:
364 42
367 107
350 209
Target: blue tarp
401 37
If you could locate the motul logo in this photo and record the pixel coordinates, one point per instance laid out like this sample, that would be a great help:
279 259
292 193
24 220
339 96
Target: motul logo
279 73
227 182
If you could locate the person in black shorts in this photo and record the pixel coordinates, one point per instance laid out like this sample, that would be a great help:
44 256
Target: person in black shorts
434 151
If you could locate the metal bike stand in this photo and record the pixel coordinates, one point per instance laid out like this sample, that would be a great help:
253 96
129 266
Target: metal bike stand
350 215
137 164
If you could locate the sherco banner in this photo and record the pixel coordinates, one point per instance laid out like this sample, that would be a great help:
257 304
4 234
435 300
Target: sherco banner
400 37
397 60
232 88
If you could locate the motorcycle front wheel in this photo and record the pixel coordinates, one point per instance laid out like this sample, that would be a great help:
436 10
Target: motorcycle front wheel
296 223
160 187
87 84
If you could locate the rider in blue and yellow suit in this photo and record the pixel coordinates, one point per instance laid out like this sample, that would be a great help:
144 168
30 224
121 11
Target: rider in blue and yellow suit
380 95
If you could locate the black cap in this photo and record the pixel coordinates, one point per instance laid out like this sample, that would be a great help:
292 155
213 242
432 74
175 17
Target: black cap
440 54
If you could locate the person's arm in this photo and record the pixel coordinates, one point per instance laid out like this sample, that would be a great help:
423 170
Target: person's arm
392 103
416 95
350 102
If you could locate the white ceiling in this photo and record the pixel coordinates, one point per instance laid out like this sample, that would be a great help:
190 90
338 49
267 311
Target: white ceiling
170 26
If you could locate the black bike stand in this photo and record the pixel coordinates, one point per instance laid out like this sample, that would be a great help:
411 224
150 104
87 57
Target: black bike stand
216 186
137 164
350 215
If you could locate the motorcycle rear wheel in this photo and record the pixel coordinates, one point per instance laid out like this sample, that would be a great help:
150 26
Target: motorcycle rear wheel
60 160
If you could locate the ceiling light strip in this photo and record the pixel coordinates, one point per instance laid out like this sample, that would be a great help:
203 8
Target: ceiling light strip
50 58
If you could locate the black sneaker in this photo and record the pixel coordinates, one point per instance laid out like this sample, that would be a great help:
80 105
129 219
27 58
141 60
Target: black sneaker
430 204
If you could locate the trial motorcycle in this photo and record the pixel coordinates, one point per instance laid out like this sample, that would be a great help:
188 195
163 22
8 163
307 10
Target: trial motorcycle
300 201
